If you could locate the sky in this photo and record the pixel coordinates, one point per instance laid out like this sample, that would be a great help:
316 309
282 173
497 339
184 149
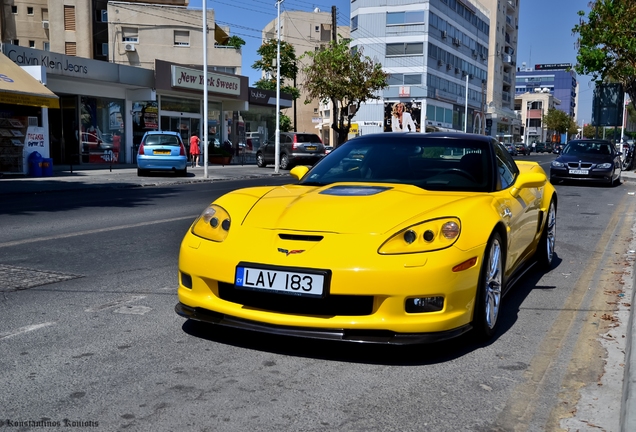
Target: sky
545 32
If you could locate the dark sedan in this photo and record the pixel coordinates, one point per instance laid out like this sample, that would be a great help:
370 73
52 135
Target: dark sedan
587 160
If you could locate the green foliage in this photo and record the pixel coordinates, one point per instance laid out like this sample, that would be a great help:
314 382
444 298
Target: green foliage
589 131
235 41
607 43
557 120
345 78
285 123
267 64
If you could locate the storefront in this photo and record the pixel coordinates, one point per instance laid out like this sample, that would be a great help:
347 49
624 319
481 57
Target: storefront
24 104
180 102
92 122
260 120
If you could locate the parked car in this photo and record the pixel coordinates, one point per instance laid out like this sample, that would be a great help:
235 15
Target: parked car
328 149
295 148
306 260
557 148
512 149
544 147
162 151
587 160
522 148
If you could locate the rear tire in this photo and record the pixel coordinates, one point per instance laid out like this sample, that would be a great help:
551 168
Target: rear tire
545 248
284 162
489 290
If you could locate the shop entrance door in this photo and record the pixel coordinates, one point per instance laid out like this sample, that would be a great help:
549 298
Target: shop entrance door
186 126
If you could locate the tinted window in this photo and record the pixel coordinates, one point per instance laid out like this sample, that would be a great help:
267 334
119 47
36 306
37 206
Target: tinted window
307 138
506 166
169 140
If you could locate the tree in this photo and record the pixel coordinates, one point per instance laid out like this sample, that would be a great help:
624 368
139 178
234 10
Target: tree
607 43
345 78
589 131
267 64
235 41
557 120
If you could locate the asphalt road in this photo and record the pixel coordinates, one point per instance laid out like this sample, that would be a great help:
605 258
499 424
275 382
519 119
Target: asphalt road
88 333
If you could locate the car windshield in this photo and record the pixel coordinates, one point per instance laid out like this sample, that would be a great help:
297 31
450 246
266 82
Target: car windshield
587 148
166 140
432 163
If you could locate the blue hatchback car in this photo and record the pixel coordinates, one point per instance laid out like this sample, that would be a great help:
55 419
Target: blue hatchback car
162 151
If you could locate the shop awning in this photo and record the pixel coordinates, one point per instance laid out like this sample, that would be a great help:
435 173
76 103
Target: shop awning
19 88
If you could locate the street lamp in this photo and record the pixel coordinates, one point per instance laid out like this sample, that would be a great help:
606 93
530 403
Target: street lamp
205 88
277 134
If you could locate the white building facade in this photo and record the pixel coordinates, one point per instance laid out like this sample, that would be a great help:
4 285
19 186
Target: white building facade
436 54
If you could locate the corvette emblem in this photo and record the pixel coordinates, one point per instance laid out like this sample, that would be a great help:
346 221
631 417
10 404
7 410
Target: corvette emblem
290 252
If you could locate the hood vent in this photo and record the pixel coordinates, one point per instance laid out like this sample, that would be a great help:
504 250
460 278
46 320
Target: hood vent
296 237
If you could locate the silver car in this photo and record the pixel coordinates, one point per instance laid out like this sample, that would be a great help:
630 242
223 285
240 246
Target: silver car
296 148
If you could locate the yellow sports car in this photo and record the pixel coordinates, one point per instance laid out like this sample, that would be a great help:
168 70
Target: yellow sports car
391 238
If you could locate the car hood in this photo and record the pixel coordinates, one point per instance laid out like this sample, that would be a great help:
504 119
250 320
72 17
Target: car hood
339 208
593 158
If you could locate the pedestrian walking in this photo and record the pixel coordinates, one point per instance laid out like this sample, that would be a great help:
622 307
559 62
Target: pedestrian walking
534 146
195 151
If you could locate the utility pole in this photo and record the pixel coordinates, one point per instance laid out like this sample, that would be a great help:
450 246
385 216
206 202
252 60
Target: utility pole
334 109
483 106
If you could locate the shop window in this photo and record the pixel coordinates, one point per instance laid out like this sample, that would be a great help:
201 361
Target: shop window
69 18
182 38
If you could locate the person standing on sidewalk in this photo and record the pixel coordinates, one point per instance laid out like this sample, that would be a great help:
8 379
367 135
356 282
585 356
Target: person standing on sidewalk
195 151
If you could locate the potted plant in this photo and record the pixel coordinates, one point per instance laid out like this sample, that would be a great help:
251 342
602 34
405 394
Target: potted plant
220 155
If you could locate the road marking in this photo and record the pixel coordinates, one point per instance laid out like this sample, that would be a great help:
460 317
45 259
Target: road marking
94 231
113 304
520 411
25 329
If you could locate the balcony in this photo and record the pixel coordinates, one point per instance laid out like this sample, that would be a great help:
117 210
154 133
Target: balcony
508 60
512 4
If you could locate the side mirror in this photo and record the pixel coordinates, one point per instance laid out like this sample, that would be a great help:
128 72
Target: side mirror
528 180
298 172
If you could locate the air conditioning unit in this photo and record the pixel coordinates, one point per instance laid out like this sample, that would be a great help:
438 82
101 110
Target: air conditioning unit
456 70
45 25
444 34
440 63
456 42
449 66
474 54
129 47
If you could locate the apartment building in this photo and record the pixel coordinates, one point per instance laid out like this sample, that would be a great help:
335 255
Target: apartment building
307 32
502 121
436 54
532 106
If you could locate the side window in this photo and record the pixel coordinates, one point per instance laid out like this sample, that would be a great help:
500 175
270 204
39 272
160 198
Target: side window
506 167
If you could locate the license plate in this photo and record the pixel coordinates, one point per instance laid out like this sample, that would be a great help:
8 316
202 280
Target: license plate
579 172
281 281
310 147
161 152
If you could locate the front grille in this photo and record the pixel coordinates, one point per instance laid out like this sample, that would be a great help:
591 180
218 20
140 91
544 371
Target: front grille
330 305
579 165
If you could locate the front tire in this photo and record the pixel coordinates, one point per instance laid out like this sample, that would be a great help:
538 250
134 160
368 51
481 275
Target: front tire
545 248
489 290
260 160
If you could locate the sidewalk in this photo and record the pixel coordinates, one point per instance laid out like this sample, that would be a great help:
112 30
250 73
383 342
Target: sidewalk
66 177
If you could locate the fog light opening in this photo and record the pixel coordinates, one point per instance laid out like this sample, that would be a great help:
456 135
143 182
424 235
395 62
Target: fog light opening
186 280
424 304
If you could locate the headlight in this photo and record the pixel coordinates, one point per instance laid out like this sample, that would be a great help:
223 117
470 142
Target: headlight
424 237
213 224
604 165
556 163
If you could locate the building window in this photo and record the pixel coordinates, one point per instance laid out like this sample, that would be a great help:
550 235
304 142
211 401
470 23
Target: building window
102 16
404 49
70 48
130 34
29 10
14 10
404 79
31 44
410 17
15 42
354 23
69 18
316 29
182 38
46 46
105 49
